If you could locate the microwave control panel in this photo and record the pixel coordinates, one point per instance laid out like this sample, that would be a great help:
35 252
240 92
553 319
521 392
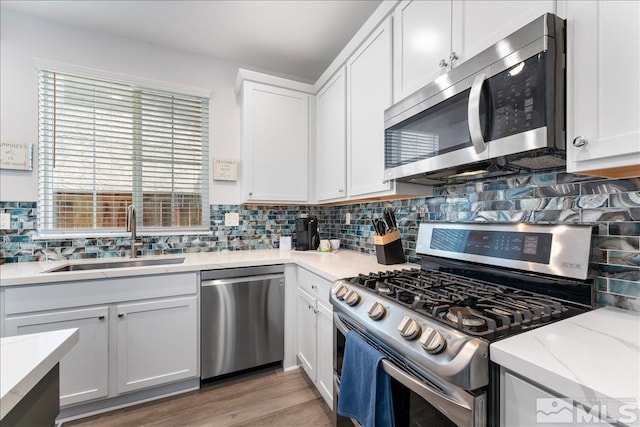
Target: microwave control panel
518 98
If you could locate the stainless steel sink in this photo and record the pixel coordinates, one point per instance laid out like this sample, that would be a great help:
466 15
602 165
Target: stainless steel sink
115 264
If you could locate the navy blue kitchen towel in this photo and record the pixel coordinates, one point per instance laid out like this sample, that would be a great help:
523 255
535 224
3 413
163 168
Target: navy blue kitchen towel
365 389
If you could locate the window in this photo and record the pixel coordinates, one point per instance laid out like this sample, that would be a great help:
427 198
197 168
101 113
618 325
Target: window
105 145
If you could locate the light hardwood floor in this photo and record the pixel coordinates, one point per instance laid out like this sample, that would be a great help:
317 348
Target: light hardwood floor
265 398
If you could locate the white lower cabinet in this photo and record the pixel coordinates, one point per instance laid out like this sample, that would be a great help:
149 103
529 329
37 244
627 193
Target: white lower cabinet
315 331
324 369
135 332
84 371
307 333
151 341
523 403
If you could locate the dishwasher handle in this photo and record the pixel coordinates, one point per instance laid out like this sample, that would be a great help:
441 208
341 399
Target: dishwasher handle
246 279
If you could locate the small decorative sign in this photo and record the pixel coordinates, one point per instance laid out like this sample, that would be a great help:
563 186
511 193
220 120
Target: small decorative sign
16 155
225 170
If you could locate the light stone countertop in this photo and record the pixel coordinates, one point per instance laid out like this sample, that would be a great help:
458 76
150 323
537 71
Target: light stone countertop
592 358
595 355
330 265
26 359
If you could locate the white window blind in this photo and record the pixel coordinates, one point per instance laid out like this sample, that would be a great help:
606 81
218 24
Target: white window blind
105 145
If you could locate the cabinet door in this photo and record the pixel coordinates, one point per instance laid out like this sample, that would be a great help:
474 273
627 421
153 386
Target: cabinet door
603 45
325 353
525 404
422 38
84 371
276 143
478 24
307 333
156 343
331 142
369 94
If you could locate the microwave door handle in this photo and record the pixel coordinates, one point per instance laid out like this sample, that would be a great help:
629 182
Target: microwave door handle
475 130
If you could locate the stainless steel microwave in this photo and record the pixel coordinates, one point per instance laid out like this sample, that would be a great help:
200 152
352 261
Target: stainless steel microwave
500 112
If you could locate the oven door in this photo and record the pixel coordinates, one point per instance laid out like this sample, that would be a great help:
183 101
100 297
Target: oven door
417 400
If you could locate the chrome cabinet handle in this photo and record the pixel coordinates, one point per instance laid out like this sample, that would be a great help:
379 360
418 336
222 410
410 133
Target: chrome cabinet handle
473 111
453 56
580 141
101 317
443 63
314 287
120 315
251 193
340 190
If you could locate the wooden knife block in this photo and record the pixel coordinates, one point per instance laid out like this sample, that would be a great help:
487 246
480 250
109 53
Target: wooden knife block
389 248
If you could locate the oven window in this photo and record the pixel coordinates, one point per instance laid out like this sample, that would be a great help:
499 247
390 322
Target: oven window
411 410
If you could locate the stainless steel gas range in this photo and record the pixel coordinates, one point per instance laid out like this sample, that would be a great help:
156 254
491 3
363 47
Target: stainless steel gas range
478 283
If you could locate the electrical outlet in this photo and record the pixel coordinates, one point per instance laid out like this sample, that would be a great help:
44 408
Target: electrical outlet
232 219
5 221
347 218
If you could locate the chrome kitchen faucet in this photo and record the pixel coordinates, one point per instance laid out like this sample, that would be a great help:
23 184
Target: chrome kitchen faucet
131 226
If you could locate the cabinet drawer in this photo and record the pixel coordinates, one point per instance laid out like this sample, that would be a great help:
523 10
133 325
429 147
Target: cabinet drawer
314 285
26 299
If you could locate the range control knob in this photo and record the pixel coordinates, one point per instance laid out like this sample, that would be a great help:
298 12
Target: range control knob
340 292
376 311
352 298
409 328
432 341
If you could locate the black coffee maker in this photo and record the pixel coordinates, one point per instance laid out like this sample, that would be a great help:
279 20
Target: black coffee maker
307 237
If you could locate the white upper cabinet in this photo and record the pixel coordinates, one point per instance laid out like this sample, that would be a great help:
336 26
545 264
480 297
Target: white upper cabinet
368 95
603 69
275 144
432 37
421 41
331 142
478 24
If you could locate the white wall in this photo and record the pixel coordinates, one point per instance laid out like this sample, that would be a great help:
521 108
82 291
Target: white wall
24 38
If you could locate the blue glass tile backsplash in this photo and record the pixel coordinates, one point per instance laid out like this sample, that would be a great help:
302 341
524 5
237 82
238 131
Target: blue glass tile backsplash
613 204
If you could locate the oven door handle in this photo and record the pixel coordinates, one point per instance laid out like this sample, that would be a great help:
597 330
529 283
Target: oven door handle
459 408
460 413
475 129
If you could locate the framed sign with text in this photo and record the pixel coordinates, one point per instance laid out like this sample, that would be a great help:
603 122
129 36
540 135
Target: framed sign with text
225 170
16 155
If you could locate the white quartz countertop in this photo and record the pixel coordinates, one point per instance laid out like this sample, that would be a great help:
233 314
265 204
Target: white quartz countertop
26 359
330 265
593 357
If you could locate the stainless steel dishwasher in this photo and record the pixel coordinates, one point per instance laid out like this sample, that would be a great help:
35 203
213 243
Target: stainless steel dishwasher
242 319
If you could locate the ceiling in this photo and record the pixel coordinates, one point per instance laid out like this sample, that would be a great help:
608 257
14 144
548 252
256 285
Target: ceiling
298 38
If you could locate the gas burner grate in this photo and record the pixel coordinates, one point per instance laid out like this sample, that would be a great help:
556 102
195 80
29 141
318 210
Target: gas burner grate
498 310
